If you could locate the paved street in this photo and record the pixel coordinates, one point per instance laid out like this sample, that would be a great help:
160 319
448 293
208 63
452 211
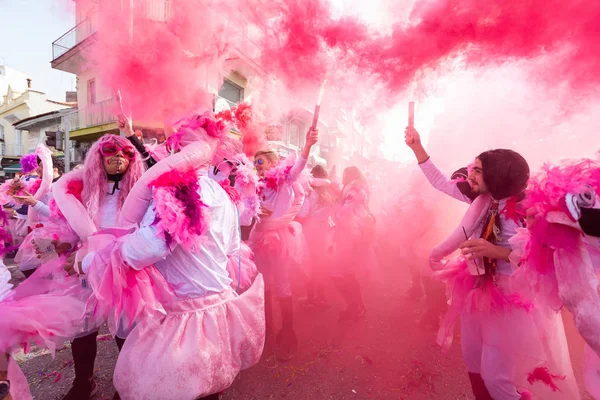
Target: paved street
384 357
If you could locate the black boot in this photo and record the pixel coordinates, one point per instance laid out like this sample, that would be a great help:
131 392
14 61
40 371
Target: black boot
84 351
287 342
436 303
350 290
268 312
478 386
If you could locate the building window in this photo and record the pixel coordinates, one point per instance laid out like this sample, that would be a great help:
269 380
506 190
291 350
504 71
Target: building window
231 92
2 132
2 149
18 142
91 91
296 130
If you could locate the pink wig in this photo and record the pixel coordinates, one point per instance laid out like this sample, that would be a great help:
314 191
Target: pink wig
95 179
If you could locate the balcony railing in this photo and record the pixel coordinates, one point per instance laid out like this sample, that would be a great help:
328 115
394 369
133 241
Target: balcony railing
73 37
156 10
93 115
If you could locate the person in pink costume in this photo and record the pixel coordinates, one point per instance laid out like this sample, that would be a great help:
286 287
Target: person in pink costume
353 234
561 250
82 202
165 272
277 239
488 292
50 169
317 224
46 318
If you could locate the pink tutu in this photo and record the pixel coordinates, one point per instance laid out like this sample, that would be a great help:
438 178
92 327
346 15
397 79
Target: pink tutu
276 252
505 338
197 350
37 314
47 320
122 295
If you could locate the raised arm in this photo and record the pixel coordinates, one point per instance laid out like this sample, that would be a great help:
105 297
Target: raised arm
311 139
437 179
125 127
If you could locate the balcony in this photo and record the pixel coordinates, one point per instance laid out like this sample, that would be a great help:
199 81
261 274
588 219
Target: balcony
65 50
101 113
73 37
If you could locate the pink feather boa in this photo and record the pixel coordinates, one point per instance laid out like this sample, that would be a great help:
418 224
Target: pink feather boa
557 245
547 189
179 207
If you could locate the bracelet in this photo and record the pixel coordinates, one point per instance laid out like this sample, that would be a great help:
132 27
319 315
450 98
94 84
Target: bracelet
424 161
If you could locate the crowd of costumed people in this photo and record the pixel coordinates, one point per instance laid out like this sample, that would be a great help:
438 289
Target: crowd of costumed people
148 240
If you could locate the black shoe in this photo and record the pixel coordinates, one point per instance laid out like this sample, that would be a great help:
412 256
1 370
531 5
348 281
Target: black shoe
82 391
287 344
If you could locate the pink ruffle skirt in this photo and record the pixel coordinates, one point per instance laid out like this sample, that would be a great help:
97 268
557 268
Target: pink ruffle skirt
196 350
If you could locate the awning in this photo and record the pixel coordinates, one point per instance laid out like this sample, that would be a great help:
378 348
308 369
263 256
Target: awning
13 168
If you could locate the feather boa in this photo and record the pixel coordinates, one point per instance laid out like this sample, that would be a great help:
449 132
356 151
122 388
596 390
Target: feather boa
179 208
245 175
547 189
279 174
234 195
195 129
557 244
248 184
274 177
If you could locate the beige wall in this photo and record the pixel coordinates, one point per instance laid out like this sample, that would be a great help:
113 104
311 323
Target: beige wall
27 105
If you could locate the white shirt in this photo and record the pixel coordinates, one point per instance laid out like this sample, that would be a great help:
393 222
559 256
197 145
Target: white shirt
279 200
191 273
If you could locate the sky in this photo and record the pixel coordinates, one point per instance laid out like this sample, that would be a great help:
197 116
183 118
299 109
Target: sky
28 29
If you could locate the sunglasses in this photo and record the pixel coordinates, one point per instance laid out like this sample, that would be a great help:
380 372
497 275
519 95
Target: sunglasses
110 149
260 161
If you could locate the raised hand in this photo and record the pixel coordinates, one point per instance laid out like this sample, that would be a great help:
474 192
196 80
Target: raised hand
124 125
